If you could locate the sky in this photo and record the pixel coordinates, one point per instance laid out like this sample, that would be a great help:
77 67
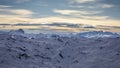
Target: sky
93 12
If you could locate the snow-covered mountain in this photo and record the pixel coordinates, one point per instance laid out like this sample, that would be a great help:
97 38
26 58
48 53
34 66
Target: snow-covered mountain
98 34
17 32
21 50
90 34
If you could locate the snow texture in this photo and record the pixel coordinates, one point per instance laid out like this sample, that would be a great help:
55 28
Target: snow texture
95 49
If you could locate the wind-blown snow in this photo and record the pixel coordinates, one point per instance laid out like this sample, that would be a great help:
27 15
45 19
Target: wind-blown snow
95 49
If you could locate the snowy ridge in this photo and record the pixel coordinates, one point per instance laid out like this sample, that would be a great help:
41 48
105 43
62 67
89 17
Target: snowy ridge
98 34
90 34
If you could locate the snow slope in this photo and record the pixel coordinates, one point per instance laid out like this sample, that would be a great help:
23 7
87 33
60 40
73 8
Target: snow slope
19 50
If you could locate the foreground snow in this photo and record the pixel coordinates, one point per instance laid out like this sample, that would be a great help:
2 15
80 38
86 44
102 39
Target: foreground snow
95 49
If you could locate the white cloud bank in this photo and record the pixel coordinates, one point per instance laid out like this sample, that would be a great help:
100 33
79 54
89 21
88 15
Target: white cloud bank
51 19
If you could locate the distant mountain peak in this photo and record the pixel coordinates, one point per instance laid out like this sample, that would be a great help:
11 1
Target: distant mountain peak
19 31
97 34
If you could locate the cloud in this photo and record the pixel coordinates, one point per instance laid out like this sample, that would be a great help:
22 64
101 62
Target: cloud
82 1
101 6
65 12
24 16
95 17
13 1
21 12
90 15
76 12
13 19
15 12
95 6
4 6
51 19
21 1
9 15
106 6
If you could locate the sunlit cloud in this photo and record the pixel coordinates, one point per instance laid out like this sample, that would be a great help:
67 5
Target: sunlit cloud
65 12
21 12
53 19
24 16
79 12
82 1
77 20
90 15
95 17
15 12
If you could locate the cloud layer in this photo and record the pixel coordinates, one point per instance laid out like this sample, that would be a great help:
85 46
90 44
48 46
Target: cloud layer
92 12
79 12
